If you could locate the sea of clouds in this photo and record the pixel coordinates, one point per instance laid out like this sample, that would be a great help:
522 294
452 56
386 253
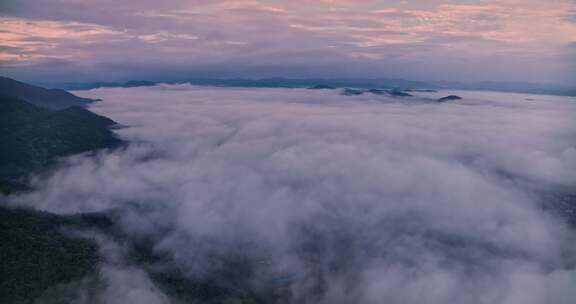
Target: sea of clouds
335 199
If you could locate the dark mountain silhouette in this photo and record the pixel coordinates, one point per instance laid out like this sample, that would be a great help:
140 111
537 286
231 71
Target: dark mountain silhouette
36 255
274 82
35 251
364 83
138 83
32 137
55 99
351 92
399 93
321 87
393 92
449 98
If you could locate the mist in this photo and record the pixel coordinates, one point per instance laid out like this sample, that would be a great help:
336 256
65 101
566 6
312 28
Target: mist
307 196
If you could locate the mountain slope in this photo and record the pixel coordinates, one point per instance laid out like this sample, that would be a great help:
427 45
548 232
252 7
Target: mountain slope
32 137
46 98
37 254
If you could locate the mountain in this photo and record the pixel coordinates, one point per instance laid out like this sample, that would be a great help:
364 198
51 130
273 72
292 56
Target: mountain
449 98
321 87
32 137
275 82
138 83
512 87
360 83
39 259
55 99
97 84
36 256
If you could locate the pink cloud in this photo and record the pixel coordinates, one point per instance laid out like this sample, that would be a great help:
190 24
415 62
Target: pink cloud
224 31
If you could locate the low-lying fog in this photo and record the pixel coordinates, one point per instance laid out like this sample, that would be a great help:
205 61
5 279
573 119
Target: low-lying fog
336 199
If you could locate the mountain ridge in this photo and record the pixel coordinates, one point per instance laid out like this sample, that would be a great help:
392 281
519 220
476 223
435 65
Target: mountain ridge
55 99
362 83
32 137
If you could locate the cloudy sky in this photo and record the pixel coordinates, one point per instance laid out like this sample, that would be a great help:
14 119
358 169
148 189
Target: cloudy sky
465 40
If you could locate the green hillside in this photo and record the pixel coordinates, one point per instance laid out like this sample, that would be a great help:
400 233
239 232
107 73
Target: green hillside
36 254
32 137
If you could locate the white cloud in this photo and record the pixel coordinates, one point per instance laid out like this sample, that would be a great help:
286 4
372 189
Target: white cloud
363 199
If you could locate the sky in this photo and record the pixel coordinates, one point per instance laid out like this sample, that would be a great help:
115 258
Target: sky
463 40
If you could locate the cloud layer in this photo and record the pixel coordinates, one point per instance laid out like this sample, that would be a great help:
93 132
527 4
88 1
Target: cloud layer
336 199
504 40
